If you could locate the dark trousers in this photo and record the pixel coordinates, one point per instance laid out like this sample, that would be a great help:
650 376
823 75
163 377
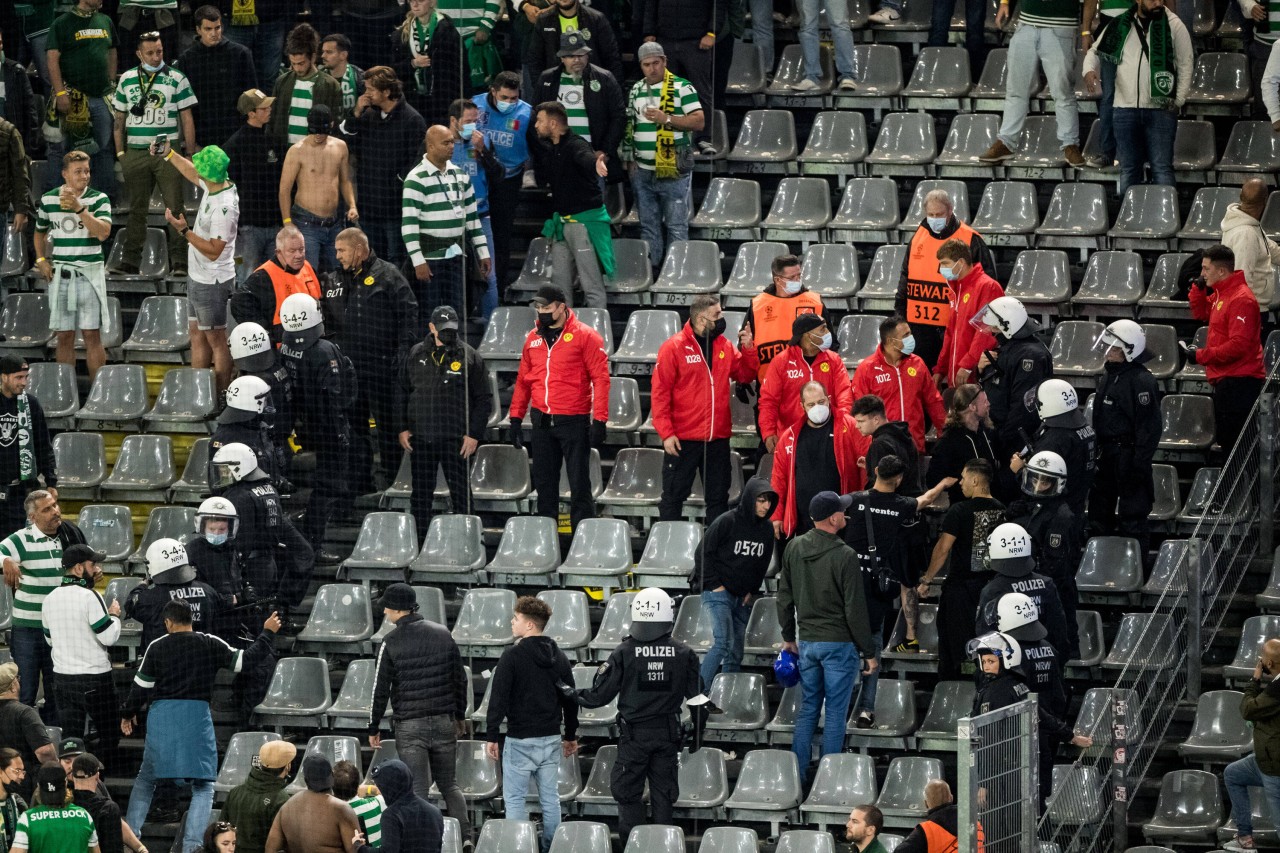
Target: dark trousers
329 486
90 697
686 59
142 173
12 514
562 439
504 196
929 342
35 661
646 753
427 458
447 286
975 22
1233 399
375 398
1122 497
1106 131
384 238
368 34
709 457
956 607
721 62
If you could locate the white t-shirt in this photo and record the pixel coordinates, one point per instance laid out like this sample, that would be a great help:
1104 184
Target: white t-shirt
216 219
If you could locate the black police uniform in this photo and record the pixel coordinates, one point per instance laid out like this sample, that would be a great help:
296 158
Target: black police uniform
1021 363
146 602
1126 418
1070 436
217 566
320 402
651 680
264 530
277 410
1057 540
1039 589
1042 670
252 433
372 315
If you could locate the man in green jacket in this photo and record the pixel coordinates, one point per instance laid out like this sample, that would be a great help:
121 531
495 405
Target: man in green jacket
300 88
15 178
1260 708
252 805
820 590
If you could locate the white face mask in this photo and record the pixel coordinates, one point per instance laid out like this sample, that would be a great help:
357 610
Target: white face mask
790 286
825 343
215 538
820 413
936 223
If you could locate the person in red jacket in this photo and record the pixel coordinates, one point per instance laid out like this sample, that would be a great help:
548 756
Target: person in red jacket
564 375
690 406
808 358
969 290
818 453
1232 356
901 380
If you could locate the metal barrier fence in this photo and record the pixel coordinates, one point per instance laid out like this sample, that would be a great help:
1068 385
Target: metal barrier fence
997 780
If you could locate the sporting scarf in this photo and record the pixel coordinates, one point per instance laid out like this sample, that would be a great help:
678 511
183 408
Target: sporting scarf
244 13
420 45
26 441
73 580
75 127
664 161
1157 45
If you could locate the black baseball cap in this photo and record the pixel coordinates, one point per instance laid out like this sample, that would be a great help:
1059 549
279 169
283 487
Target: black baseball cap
826 504
399 596
445 317
51 779
547 295
85 766
572 43
10 363
319 119
804 324
70 747
77 554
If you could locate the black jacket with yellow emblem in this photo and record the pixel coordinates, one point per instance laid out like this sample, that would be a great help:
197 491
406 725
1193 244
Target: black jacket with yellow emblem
446 392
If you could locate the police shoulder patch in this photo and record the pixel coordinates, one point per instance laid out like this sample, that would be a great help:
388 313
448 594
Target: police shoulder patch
602 669
1144 398
1028 364
1055 540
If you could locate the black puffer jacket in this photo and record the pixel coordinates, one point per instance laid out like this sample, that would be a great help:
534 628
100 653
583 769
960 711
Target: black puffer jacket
420 670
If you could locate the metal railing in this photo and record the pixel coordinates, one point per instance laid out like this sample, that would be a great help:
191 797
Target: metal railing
997 781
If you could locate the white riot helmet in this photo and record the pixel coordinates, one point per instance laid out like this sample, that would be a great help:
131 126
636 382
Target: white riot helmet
1055 397
1005 314
652 614
299 312
167 563
231 464
246 399
1044 475
218 511
1009 550
1125 334
1019 617
1001 645
251 348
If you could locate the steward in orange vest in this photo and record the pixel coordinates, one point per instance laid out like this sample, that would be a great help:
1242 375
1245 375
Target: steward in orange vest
269 285
774 310
937 832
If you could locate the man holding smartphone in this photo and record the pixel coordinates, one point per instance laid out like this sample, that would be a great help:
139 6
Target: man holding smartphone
1260 707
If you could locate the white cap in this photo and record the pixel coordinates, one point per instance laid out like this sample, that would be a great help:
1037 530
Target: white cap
300 312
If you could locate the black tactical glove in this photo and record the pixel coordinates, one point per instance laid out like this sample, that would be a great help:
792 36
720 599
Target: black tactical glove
597 433
1188 351
516 433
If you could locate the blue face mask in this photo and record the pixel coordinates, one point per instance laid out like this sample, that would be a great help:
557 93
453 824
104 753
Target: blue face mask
825 343
215 538
468 129
505 107
936 223
908 344
151 69
949 273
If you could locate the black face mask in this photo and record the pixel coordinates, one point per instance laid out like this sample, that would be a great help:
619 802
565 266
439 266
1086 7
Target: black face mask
717 328
546 319
448 337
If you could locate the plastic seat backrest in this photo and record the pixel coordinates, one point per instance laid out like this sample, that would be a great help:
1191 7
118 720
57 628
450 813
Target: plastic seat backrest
733 201
1008 206
485 615
80 458
844 780
957 190
161 322
454 540
767 134
185 392
119 392
837 135
615 625
300 682
869 200
751 267
831 269
1148 210
1113 563
601 543
646 331
507 329
904 783
386 537
670 547
108 528
54 385
144 461
528 542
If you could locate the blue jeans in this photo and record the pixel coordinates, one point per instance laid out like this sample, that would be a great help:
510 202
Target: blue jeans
321 234
841 35
1239 777
1054 50
762 31
1144 136
384 238
729 618
489 301
538 757
664 207
34 659
828 672
1106 128
198 814
867 696
255 244
266 41
102 165
975 22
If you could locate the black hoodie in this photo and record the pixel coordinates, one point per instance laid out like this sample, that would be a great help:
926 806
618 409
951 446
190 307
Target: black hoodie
895 438
524 692
408 822
945 816
738 546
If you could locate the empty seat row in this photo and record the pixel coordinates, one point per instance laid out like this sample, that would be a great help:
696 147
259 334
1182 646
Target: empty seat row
160 331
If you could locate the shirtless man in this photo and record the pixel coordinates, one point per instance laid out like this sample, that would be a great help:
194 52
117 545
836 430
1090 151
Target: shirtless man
319 168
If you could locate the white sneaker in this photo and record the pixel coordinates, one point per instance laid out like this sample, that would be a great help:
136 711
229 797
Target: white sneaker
848 84
805 85
884 16
530 180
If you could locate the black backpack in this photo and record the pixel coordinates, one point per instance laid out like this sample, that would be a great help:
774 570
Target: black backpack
1187 273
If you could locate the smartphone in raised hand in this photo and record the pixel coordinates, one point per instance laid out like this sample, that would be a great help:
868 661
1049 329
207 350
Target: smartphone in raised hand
160 146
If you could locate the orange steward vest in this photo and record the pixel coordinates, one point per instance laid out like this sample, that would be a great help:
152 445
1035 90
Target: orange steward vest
771 318
285 284
927 302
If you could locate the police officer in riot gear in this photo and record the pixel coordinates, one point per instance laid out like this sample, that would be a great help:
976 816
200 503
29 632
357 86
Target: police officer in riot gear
265 532
1019 364
254 355
1126 418
243 421
1066 432
170 577
212 552
323 388
1010 553
652 675
1057 534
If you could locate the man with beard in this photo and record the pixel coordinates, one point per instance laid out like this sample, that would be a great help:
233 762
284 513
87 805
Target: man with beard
25 449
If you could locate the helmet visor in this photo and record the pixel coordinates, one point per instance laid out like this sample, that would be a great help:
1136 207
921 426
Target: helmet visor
222 475
217 524
986 320
1108 339
1041 484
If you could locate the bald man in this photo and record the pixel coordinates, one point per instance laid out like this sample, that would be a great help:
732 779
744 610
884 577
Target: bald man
938 829
1256 253
1261 708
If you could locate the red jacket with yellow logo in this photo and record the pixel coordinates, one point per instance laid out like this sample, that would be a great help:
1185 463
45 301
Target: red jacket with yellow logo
690 398
787 374
962 345
1234 347
850 446
907 391
570 377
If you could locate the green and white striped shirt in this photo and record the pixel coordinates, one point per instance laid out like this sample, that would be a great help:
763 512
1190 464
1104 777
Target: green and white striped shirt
72 242
369 811
644 137
299 105
1111 8
438 214
1050 13
571 96
163 95
40 558
470 15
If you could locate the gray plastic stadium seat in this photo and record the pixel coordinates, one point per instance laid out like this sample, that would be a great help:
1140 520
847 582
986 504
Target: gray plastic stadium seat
1092 642
719 130
484 621
598 319
941 76
1008 213
992 82
528 552
117 590
766 138
160 332
1256 631
600 554
387 544
453 551
730 204
895 711
636 479
152 268
800 210
958 191
299 695
1076 217
831 271
615 625
1168 493
109 529
859 335
1039 149
969 135
1143 641
1219 79
583 836
1162 343
625 413
667 559
1112 285
880 288
764 633
1077 796
741 698
1072 347
902 796
868 211
354 704
837 143
238 760
1251 148
1204 221
504 336
596 797
704 783
1269 598
691 267
81 460
1218 732
602 720
1169 574
118 395
163 522
536 270
1148 218
186 401
806 841
570 624
843 780
13 263
751 271
1189 807
768 789
341 620
746 75
728 839
478 778
54 385
143 470
790 71
653 838
500 475
646 331
430 604
1162 288
951 701
451 842
693 624
632 274
1094 719
926 635
906 144
1040 277
878 69
1110 564
1194 148
1188 422
1199 507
